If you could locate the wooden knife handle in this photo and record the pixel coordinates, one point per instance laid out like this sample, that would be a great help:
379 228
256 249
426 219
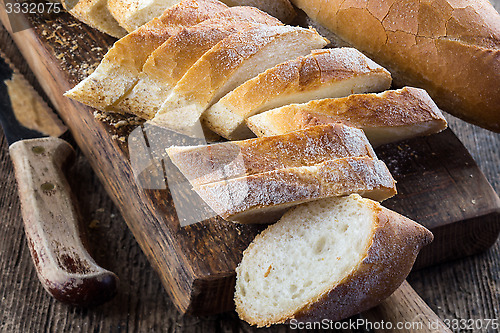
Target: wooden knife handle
63 265
406 307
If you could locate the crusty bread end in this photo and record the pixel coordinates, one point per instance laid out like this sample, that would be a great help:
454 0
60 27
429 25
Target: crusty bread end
327 259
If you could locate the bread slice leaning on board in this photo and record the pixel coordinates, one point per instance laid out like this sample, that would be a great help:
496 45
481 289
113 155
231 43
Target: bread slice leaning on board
451 48
264 197
96 14
231 62
169 62
323 73
386 117
222 161
131 14
327 259
122 64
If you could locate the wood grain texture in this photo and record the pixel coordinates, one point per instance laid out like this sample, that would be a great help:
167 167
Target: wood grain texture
405 306
463 289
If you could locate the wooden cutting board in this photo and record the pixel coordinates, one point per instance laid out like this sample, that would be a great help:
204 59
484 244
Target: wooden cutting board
439 184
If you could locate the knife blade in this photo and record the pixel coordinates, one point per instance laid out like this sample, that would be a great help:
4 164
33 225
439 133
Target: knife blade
63 265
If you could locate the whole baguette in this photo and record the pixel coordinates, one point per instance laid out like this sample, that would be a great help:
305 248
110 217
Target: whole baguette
323 73
212 163
451 48
228 64
327 259
264 197
169 62
95 13
122 64
386 117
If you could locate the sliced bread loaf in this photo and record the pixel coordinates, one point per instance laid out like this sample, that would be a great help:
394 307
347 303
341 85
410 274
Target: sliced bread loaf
121 66
281 9
168 63
323 73
95 13
386 117
264 197
232 61
327 259
131 14
212 163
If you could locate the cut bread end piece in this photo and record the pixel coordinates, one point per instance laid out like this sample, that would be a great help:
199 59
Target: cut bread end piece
228 64
222 161
122 64
386 117
169 62
96 14
264 197
327 259
323 73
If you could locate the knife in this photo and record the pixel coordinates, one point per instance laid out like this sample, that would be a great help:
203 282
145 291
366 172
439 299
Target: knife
63 265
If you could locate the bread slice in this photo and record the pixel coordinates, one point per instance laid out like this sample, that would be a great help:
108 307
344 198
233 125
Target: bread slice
168 63
231 62
327 259
386 117
212 163
121 66
264 197
323 73
207 164
281 9
95 13
131 14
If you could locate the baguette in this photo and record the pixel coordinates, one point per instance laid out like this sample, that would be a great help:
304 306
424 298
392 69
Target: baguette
207 164
450 48
327 259
95 13
386 117
323 73
131 14
264 197
121 66
232 61
168 63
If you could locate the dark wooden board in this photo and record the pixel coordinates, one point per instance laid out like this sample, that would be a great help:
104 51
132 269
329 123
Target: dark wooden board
196 263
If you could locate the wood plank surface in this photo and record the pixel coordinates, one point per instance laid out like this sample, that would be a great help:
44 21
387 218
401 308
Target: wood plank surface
139 290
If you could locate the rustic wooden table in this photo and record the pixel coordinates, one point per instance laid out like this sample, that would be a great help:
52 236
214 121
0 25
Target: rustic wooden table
464 289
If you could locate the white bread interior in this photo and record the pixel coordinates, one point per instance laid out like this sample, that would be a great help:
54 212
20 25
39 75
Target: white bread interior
264 197
95 13
169 62
386 117
222 161
120 68
323 73
327 259
232 61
